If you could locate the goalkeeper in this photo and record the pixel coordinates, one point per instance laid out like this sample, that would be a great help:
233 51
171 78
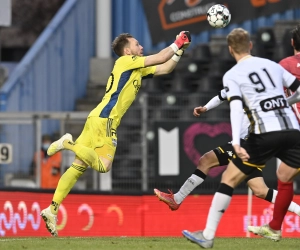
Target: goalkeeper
96 145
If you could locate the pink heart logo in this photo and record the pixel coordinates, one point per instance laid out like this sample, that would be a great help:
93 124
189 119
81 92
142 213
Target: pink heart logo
212 130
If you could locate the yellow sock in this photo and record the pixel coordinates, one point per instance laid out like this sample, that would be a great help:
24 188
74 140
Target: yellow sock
65 184
87 155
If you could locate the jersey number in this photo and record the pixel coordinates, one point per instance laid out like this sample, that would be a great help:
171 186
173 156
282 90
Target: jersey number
111 83
5 153
255 79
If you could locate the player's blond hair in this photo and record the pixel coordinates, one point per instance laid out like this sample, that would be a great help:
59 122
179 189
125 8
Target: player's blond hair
239 39
120 42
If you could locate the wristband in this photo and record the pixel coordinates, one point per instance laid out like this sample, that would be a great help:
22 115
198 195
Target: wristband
176 58
174 47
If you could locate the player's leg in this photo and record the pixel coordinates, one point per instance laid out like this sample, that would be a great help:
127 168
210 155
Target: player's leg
217 157
65 184
282 202
259 188
231 177
89 140
58 145
220 156
66 181
286 172
286 175
288 169
93 147
206 162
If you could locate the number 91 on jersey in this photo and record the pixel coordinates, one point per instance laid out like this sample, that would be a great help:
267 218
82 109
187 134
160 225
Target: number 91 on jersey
5 153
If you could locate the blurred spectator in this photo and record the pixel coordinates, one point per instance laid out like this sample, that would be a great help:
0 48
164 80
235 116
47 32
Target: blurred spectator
50 165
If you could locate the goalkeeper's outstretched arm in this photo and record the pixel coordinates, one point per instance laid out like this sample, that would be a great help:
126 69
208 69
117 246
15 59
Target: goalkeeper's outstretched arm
166 54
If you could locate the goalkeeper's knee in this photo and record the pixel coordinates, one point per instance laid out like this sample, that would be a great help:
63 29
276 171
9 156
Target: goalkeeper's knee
103 165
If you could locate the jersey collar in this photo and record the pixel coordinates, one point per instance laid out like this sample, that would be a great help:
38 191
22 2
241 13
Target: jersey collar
244 58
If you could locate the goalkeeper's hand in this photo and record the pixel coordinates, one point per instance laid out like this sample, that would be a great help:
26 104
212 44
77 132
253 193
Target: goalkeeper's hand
180 52
183 40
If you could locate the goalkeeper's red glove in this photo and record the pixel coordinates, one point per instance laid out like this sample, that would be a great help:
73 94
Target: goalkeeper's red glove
183 40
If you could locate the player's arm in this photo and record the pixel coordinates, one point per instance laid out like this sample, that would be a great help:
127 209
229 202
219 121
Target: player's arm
168 66
166 54
292 83
234 97
295 97
212 103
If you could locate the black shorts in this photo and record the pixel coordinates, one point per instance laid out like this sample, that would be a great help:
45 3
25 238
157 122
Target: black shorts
225 153
284 145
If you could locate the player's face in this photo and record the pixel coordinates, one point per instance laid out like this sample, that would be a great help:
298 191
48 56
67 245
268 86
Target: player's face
135 48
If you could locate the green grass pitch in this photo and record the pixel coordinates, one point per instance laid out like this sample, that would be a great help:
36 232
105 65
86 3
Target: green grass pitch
142 243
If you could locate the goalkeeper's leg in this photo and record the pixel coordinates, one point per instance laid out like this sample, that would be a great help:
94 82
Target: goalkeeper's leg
65 184
93 158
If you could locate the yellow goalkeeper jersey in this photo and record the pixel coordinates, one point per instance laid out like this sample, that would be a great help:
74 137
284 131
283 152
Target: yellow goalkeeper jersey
122 87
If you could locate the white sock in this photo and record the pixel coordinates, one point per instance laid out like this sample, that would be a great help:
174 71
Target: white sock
294 207
190 184
219 205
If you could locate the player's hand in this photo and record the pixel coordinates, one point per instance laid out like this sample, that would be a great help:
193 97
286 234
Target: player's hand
241 152
183 40
185 46
199 110
180 52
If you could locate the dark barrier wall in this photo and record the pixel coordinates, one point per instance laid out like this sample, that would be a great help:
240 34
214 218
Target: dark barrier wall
168 17
113 215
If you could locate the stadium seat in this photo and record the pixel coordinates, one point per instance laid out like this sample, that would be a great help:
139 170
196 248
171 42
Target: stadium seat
152 85
265 42
179 85
202 56
210 83
190 68
154 100
126 169
201 53
224 62
170 113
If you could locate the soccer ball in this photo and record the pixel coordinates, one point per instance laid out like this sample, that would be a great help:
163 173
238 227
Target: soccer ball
218 16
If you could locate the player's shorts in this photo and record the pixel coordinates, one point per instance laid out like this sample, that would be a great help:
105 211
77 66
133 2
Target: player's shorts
99 135
225 153
284 145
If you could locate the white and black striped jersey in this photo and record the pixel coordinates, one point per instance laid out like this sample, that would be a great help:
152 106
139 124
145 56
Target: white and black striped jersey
260 84
245 123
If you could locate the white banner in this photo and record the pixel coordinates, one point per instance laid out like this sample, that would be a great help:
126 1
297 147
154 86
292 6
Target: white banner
168 146
5 12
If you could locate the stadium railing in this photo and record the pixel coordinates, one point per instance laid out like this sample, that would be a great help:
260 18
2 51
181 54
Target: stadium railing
52 75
